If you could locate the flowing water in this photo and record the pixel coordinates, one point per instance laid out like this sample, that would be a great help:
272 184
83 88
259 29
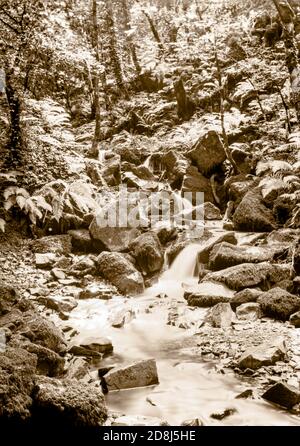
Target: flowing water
189 386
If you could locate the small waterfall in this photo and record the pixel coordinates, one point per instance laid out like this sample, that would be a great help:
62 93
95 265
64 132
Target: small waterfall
184 265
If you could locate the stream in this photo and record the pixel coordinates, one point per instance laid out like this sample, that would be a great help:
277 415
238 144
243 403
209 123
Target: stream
189 385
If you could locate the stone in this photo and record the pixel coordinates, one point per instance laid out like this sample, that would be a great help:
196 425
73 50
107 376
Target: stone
147 251
112 238
111 171
252 214
79 350
139 374
17 371
224 414
78 368
138 420
8 297
175 166
83 242
122 317
248 311
43 332
95 291
208 153
279 304
58 273
194 181
246 394
165 233
97 344
58 303
207 294
224 255
245 296
263 355
49 363
207 246
295 319
284 237
73 404
283 395
120 272
55 244
211 212
247 275
271 188
221 315
44 260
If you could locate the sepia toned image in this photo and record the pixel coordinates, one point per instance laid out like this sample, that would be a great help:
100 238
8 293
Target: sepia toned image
149 217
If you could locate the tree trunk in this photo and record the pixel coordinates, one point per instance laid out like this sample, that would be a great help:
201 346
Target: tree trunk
114 58
155 32
185 107
130 42
95 81
14 104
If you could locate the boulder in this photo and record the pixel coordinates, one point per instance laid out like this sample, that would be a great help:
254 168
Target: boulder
248 311
8 297
45 260
78 368
224 255
252 214
283 395
112 238
120 272
271 188
279 304
207 294
72 404
165 232
83 242
295 319
17 370
111 171
49 363
43 332
207 246
284 237
245 296
194 181
211 212
248 275
208 153
221 315
139 374
147 251
96 344
57 244
263 355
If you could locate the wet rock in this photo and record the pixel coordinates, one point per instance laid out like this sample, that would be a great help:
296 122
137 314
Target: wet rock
279 304
295 319
246 394
59 304
133 181
207 246
175 166
283 394
208 152
248 275
166 233
252 214
224 414
249 311
83 242
207 294
120 272
113 239
44 260
211 212
224 255
245 296
79 350
95 291
97 344
55 244
221 315
138 420
263 355
17 370
147 251
43 332
194 181
8 297
71 403
49 363
122 317
138 374
193 422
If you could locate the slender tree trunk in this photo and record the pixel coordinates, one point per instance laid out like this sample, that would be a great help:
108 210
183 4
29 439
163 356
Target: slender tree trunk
286 15
114 58
131 45
14 104
95 81
185 107
154 32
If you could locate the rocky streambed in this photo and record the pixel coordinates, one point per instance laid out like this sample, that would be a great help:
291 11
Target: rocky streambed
212 340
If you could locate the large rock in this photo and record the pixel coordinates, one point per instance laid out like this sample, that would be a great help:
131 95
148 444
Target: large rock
249 311
49 363
8 297
138 374
263 355
252 214
207 246
221 315
295 319
57 244
224 255
83 242
208 294
279 303
208 152
175 167
120 272
245 296
147 251
17 369
45 260
194 181
283 394
248 275
70 403
271 188
112 238
43 332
